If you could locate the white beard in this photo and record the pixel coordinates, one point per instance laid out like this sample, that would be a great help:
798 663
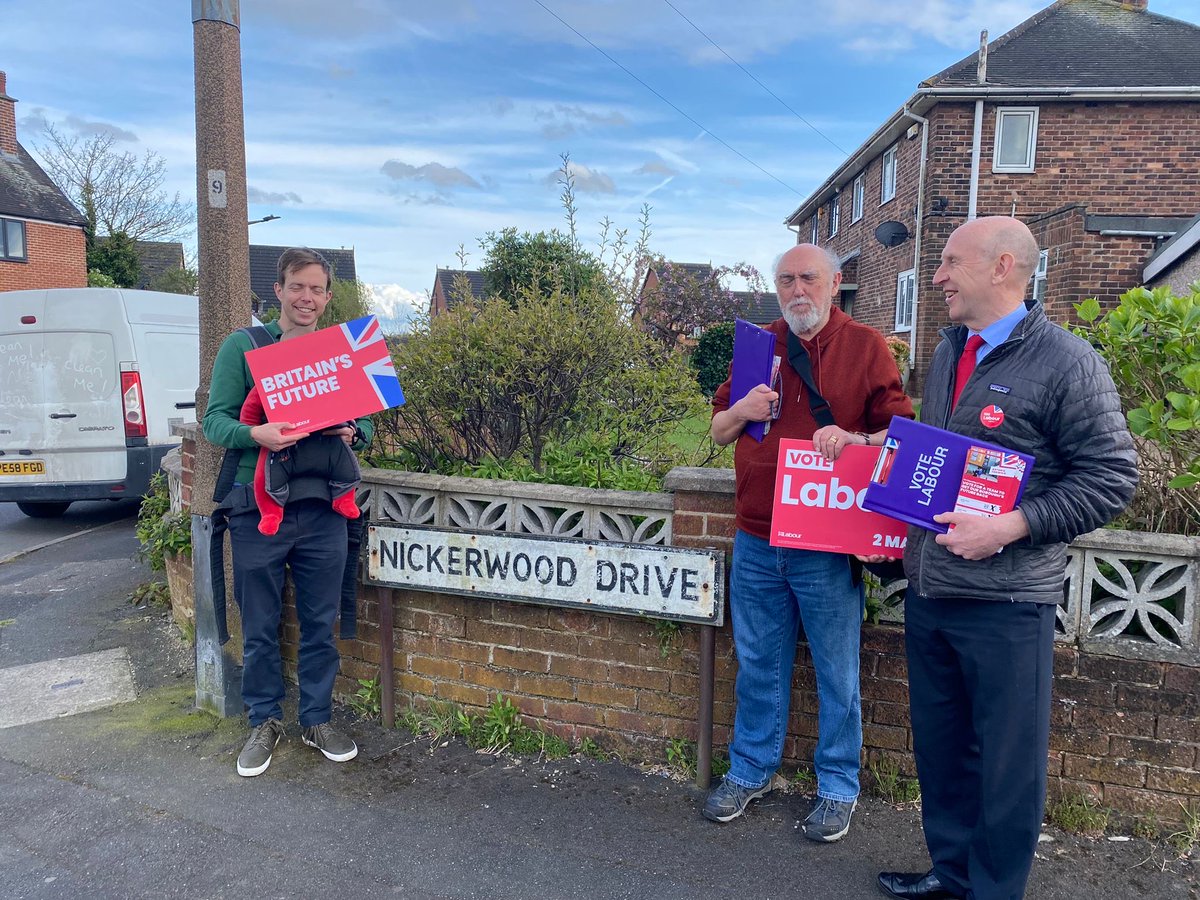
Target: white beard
802 322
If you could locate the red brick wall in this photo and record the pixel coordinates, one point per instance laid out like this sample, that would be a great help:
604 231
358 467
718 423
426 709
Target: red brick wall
1125 730
1129 158
56 257
876 269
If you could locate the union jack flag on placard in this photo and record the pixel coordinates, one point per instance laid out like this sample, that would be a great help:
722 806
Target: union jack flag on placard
370 352
325 378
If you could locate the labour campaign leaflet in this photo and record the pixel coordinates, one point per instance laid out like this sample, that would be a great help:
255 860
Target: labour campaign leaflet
819 504
327 377
924 471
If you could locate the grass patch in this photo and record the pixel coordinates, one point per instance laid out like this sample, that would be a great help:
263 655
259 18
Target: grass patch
498 730
890 785
691 438
667 633
592 750
682 759
437 721
804 779
1186 839
151 593
1079 814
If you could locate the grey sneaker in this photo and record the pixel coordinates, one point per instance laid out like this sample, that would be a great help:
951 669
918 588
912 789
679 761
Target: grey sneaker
829 820
256 755
728 800
331 742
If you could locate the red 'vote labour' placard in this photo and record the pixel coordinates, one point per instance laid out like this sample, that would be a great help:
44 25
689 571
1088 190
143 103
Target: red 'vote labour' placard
818 503
322 379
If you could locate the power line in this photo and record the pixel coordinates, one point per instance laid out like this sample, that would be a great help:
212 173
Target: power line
723 143
756 81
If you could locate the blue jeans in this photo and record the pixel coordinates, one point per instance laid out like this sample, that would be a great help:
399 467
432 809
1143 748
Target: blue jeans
772 590
312 542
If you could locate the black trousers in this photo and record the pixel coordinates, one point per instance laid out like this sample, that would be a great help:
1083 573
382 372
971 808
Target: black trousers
979 676
312 542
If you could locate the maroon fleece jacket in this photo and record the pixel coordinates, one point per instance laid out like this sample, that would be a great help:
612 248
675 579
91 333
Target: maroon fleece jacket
855 373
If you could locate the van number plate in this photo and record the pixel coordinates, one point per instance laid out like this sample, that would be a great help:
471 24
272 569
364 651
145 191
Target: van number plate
23 467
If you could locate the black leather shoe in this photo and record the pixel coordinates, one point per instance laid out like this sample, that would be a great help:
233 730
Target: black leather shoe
913 884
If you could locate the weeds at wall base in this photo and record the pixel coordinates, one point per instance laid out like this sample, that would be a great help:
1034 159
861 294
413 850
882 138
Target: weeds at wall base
498 730
1078 814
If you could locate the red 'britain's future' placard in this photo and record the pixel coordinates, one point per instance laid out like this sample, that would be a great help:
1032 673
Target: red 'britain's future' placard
327 377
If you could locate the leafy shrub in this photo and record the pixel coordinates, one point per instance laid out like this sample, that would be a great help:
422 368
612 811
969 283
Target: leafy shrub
712 356
1151 342
159 530
555 387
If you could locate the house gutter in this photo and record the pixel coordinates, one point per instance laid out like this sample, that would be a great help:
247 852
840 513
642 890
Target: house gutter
920 230
977 134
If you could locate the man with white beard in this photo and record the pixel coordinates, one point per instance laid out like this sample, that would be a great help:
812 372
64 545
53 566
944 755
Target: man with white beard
855 390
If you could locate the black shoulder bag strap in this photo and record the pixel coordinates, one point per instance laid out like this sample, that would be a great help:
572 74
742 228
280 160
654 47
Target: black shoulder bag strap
259 337
798 357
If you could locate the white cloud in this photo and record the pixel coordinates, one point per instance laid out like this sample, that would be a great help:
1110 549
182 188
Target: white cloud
397 306
441 177
257 195
587 181
654 167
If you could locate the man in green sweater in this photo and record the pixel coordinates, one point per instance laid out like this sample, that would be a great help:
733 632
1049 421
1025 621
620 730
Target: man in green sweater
311 539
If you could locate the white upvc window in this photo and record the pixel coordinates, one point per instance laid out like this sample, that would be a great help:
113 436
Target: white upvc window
1039 276
815 237
906 297
859 194
887 187
1016 139
835 213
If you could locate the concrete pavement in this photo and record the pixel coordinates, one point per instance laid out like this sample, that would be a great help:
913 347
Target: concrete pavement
140 799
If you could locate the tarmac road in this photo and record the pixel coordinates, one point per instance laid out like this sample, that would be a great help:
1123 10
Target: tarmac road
140 798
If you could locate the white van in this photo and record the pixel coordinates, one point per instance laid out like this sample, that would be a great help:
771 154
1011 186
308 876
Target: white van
91 382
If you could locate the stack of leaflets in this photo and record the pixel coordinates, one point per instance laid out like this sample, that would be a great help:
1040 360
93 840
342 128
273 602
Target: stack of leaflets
925 471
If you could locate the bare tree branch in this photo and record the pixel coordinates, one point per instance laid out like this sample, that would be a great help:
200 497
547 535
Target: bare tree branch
116 190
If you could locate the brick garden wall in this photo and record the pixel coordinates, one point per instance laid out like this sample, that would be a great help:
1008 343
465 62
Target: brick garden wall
1127 730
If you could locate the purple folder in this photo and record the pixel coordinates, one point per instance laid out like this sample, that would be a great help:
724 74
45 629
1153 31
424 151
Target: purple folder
753 362
923 471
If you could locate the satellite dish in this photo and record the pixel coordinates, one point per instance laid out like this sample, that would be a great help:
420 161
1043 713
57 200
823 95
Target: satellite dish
891 234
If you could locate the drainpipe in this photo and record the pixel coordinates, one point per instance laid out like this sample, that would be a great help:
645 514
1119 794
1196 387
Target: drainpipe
920 230
977 139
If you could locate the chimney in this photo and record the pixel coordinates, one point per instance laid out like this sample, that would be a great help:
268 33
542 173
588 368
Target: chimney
1139 5
8 120
981 65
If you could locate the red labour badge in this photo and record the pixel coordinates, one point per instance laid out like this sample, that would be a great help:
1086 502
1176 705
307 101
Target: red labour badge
991 416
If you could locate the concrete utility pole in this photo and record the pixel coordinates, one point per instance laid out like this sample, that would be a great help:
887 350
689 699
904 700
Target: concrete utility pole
224 260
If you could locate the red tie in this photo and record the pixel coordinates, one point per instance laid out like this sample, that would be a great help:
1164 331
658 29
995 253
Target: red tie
966 365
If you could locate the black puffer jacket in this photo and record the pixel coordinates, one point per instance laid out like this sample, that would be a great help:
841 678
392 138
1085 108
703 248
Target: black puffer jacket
1060 406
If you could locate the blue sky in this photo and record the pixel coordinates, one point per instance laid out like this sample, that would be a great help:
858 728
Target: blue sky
404 129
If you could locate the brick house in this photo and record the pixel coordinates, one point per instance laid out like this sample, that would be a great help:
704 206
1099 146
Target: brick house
264 270
1083 121
443 297
42 243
